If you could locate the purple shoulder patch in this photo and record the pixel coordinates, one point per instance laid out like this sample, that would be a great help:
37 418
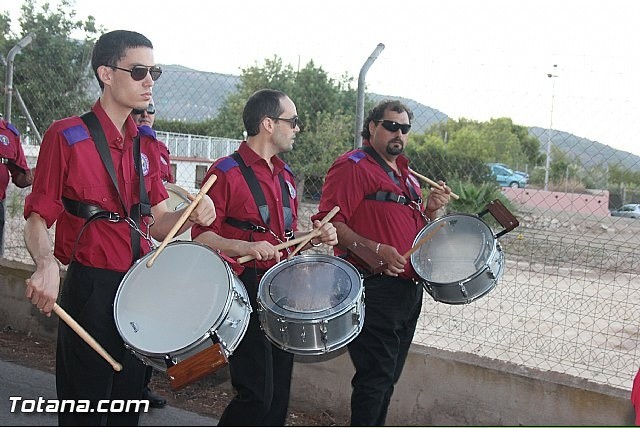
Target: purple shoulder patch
148 131
13 129
357 156
226 164
76 134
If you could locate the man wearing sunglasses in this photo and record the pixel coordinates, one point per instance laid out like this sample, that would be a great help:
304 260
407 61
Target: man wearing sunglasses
144 118
381 207
100 184
13 165
260 371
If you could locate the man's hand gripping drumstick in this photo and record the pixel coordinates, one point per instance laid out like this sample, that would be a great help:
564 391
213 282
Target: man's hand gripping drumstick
316 231
326 233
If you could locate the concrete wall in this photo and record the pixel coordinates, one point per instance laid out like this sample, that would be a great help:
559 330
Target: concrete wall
437 387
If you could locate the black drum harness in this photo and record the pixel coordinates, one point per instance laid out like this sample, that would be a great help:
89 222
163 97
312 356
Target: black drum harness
132 217
261 202
413 202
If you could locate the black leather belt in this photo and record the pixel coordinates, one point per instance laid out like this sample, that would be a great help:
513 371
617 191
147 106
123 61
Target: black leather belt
87 211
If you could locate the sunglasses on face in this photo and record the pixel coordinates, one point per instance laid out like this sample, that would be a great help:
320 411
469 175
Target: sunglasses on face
150 110
392 126
294 121
139 72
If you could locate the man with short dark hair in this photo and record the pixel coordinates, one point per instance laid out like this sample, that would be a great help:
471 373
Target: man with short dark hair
260 371
99 182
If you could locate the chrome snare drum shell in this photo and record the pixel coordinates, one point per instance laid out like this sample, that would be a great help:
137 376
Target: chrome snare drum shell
311 304
461 261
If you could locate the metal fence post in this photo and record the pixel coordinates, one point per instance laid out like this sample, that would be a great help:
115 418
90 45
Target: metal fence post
357 142
9 75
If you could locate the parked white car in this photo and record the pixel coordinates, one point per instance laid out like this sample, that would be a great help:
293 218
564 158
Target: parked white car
628 210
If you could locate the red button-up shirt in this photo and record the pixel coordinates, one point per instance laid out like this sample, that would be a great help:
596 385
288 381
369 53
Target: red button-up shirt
233 199
355 175
10 149
69 165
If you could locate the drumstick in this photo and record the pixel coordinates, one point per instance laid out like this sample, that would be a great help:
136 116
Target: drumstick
283 245
183 218
324 221
84 335
422 241
431 182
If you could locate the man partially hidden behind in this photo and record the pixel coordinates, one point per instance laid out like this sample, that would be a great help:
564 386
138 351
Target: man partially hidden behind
13 165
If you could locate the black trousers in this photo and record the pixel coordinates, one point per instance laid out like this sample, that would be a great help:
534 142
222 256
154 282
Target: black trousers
2 214
392 308
81 373
260 373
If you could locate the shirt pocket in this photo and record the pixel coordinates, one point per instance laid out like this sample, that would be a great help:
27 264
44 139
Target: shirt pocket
102 196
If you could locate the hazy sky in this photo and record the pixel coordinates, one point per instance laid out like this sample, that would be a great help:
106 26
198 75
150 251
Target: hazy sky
468 58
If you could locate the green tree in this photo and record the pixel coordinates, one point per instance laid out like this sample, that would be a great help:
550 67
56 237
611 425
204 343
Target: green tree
324 105
53 72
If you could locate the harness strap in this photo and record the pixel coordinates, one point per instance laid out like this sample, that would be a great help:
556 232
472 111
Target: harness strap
260 200
97 134
11 164
390 196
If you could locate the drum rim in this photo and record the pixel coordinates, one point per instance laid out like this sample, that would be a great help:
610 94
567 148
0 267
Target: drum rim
431 225
266 303
205 335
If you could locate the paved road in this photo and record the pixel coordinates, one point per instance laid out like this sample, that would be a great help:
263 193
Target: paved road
30 384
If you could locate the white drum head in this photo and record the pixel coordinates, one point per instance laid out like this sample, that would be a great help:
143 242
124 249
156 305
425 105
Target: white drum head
459 246
172 305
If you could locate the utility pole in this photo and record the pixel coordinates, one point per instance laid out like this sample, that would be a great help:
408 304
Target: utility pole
551 76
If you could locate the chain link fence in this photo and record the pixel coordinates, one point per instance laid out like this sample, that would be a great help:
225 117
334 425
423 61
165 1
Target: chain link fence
567 300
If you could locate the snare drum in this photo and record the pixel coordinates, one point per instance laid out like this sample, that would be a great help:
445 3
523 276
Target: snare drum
178 199
460 261
189 299
311 304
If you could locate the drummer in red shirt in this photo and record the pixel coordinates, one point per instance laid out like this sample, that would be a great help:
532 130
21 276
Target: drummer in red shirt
81 159
381 207
254 177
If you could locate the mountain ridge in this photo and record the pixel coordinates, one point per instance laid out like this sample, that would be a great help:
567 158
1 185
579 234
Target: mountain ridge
186 94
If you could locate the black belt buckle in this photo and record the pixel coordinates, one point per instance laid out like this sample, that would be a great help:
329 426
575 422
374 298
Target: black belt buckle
401 200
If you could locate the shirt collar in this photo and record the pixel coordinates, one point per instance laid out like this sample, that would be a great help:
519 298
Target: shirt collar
111 133
250 158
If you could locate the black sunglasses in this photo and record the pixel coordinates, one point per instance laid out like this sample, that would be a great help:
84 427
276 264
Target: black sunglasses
150 110
294 121
139 72
392 126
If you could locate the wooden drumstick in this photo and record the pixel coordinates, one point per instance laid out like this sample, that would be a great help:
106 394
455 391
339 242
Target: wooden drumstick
422 241
283 245
84 335
431 183
183 218
324 221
